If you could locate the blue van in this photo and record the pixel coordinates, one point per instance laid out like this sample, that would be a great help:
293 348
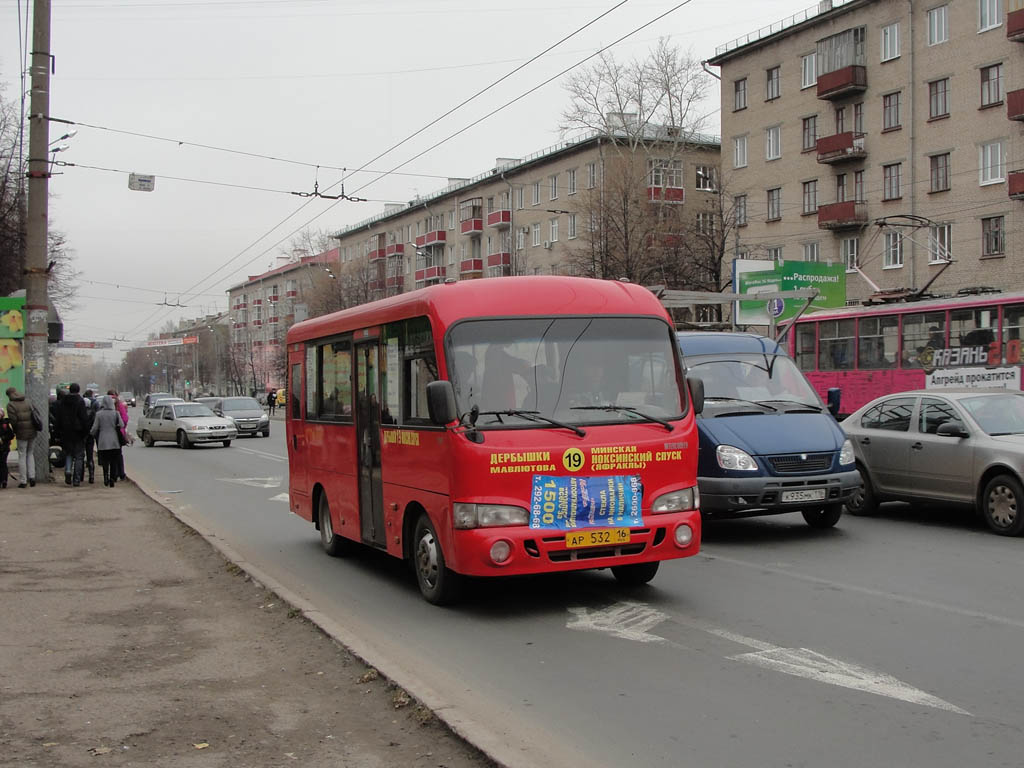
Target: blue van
767 443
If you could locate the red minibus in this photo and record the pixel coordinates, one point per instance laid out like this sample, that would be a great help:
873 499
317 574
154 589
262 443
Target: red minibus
970 340
496 427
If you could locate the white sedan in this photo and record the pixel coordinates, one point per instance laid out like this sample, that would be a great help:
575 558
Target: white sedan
185 424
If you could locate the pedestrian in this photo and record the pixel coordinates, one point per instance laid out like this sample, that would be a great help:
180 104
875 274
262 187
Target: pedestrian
6 436
24 423
126 438
90 441
272 400
74 425
105 428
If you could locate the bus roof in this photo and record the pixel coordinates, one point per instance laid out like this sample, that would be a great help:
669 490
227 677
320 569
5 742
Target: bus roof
925 305
491 297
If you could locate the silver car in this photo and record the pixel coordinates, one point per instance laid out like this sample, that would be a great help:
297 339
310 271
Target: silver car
958 446
185 424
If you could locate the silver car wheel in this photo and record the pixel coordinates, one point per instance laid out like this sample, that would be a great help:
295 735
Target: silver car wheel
1003 506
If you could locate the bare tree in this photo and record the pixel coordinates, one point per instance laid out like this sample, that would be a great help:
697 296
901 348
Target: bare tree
348 288
310 242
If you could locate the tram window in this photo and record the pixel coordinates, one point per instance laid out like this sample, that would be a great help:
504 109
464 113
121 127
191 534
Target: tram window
1013 333
805 334
879 342
921 331
835 345
973 327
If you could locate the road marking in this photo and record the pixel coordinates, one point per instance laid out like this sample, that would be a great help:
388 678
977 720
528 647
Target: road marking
631 620
263 454
254 482
628 620
280 497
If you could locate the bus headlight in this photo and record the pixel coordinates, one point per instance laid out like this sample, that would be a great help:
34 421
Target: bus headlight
846 454
677 501
730 457
487 515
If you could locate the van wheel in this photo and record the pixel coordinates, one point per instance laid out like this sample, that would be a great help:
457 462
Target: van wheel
636 574
1001 505
863 501
147 439
438 584
334 544
823 518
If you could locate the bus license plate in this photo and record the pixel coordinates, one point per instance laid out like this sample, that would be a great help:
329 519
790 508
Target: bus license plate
597 537
818 494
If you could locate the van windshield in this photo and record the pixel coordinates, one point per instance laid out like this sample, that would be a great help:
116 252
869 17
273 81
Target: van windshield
752 377
560 368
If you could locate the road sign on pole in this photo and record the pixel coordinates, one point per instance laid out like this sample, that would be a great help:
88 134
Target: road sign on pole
141 182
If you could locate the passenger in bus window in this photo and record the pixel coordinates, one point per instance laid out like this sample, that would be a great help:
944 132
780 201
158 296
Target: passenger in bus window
936 338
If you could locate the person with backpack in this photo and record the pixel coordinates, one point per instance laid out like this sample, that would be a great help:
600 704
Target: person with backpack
23 421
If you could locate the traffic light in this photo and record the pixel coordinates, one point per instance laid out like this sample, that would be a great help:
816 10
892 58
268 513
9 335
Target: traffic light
188 383
156 363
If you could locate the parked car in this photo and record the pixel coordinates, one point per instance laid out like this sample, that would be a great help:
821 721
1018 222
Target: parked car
184 423
128 398
959 446
768 445
246 413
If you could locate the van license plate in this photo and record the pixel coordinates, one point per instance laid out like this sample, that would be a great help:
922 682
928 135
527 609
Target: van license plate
818 494
597 537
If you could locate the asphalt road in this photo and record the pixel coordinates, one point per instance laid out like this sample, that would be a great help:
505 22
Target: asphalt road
890 640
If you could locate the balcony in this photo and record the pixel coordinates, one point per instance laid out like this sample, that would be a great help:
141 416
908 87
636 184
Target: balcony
841 147
471 267
1015 185
472 226
842 82
434 237
1015 26
666 194
257 302
377 254
274 299
375 285
273 321
502 259
1015 104
429 273
395 281
849 214
500 218
395 249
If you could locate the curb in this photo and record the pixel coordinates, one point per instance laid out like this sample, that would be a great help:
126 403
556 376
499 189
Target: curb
459 722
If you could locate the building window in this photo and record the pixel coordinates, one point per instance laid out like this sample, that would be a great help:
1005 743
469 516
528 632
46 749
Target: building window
839 51
520 239
840 119
705 178
938 25
992 85
520 194
893 250
773 143
536 233
858 185
571 173
739 94
808 74
706 223
774 254
773 77
591 175
810 196
991 163
891 42
536 193
740 201
892 181
940 238
811 252
858 117
553 182
938 98
840 187
572 226
939 172
774 204
990 14
891 111
849 249
739 152
666 173
553 230
809 132
992 236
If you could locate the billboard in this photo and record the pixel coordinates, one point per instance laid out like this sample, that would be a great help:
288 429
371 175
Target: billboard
751 277
12 333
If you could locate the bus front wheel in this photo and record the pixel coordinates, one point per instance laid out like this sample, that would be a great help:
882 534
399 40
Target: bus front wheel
334 544
438 584
636 574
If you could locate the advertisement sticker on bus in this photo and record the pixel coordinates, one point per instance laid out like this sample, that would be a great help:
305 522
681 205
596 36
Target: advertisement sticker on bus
567 503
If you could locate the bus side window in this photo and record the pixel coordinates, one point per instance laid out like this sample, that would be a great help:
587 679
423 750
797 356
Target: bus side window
294 390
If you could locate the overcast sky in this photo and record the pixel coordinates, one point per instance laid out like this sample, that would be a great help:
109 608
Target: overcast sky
328 82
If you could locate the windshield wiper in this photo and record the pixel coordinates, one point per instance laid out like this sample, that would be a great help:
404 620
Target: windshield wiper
815 408
533 416
741 400
627 409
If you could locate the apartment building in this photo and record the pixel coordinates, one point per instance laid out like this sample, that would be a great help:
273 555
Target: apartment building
523 216
883 134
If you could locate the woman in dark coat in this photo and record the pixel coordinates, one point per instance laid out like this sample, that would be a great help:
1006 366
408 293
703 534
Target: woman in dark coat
19 411
105 429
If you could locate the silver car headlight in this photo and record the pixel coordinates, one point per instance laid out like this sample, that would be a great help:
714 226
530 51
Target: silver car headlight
487 515
197 428
846 455
677 501
264 419
731 457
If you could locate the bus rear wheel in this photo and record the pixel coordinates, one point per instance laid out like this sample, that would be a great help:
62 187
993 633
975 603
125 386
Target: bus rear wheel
437 583
334 544
635 575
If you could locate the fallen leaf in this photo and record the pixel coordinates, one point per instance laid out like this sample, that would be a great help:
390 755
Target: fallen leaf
99 750
49 743
201 745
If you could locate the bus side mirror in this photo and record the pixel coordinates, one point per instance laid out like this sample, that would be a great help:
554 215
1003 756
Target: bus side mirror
696 387
833 398
441 402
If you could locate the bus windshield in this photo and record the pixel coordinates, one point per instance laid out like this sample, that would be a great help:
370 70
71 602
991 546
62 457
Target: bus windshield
561 368
752 377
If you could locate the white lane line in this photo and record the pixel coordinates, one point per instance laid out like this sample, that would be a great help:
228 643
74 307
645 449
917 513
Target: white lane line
632 620
909 600
253 482
280 497
263 454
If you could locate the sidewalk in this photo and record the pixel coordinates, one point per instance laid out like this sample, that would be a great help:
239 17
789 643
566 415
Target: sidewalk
126 639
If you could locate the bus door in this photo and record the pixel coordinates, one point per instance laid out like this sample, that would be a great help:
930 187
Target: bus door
298 464
371 490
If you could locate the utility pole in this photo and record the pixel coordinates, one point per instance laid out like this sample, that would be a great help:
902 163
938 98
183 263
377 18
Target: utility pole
37 301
